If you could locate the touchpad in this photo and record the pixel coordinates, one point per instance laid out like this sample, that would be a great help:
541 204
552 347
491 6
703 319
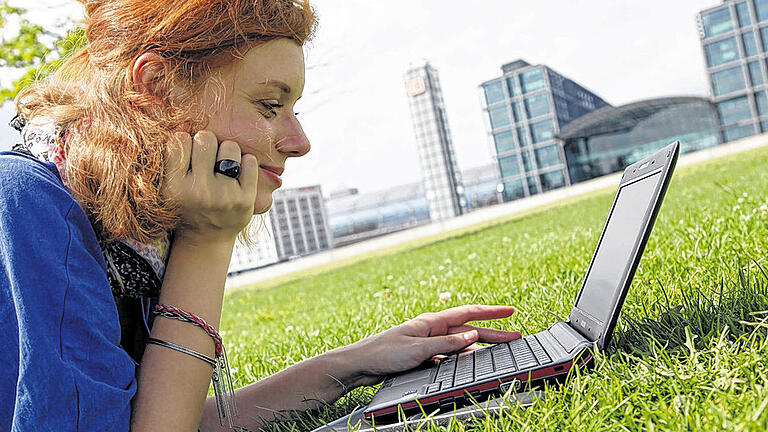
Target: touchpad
420 373
563 335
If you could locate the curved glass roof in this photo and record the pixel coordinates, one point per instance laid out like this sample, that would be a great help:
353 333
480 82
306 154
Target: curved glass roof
614 119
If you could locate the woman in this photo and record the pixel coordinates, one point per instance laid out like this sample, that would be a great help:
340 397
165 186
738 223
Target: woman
142 159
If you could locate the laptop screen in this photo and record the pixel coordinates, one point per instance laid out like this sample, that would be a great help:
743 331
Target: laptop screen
609 267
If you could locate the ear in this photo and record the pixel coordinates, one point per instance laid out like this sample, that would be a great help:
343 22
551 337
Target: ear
146 69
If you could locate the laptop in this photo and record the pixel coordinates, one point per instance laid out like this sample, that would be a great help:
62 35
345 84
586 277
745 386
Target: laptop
460 379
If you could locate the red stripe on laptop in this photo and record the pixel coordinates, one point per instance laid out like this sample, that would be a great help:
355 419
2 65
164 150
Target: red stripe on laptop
525 376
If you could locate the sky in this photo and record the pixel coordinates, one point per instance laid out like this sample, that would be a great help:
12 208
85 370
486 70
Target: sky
355 109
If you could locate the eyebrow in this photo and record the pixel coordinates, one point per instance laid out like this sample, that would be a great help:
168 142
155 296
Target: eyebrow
277 83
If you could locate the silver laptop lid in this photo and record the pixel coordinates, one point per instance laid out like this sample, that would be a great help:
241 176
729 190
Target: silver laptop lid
621 245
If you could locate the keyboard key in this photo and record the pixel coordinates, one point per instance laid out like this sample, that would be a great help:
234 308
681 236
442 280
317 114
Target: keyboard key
433 388
539 352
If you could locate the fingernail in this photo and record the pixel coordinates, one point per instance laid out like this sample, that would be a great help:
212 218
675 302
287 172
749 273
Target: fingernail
470 335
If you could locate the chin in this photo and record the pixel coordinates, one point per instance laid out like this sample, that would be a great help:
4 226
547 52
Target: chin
262 204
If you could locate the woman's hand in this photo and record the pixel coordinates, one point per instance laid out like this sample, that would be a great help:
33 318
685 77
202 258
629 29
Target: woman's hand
213 206
409 344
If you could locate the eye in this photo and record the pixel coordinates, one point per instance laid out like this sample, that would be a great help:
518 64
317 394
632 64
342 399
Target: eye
271 107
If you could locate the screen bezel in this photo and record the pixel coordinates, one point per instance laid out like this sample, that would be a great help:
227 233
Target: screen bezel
662 162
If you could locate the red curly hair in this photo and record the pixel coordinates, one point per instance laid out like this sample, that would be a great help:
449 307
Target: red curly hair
115 163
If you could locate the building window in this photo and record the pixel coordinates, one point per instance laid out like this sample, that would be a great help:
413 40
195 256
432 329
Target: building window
542 131
761 9
761 101
764 37
728 80
532 80
717 22
721 52
504 141
533 188
522 136
750 46
755 74
513 190
516 112
499 117
734 110
494 92
511 86
547 156
509 166
537 105
527 164
736 132
552 180
742 13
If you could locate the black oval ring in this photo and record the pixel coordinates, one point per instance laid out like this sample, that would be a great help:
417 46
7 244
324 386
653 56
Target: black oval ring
228 167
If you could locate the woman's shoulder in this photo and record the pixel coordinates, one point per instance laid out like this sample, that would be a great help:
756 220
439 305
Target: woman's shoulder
16 167
27 182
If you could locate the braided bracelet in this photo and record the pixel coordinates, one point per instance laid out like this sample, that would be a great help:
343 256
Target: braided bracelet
222 378
173 312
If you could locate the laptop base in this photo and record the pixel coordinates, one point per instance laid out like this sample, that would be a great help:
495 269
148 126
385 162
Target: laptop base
492 407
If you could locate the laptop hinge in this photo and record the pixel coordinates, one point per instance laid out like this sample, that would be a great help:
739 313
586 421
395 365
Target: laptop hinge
577 329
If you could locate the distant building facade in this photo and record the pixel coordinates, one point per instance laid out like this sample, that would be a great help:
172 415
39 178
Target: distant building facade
441 177
607 140
734 37
354 217
299 222
526 107
262 252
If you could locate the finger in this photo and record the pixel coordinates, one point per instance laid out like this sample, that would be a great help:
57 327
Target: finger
178 153
249 175
457 316
204 148
487 335
228 150
449 343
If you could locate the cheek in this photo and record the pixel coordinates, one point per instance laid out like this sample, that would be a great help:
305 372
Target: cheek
254 136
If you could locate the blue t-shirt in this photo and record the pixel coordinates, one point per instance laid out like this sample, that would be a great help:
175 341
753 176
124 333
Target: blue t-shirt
61 364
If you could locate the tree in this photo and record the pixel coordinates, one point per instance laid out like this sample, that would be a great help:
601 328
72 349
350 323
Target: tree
26 51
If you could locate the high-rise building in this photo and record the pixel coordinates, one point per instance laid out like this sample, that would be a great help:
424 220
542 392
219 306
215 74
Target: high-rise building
262 252
734 37
299 222
526 107
440 174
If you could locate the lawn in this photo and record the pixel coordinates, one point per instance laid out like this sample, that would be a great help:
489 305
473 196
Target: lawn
689 352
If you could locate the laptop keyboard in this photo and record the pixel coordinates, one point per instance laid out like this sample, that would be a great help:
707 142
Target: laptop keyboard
467 367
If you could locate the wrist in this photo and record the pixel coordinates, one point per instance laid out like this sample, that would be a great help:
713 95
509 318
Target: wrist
346 366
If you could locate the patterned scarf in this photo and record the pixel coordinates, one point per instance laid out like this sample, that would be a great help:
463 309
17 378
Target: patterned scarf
134 270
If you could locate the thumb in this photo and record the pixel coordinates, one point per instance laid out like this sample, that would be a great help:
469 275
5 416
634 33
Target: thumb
451 343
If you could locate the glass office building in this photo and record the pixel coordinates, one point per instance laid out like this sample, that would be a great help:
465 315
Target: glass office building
525 108
262 252
734 37
609 139
299 222
442 181
354 217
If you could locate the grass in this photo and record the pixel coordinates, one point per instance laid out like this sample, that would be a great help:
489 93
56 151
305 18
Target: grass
690 350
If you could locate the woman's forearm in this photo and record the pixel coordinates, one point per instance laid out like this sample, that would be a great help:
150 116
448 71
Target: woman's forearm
323 378
172 385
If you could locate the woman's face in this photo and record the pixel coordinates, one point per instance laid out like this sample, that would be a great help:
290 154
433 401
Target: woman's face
252 103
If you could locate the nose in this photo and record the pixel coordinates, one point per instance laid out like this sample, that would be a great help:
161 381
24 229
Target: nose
296 143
